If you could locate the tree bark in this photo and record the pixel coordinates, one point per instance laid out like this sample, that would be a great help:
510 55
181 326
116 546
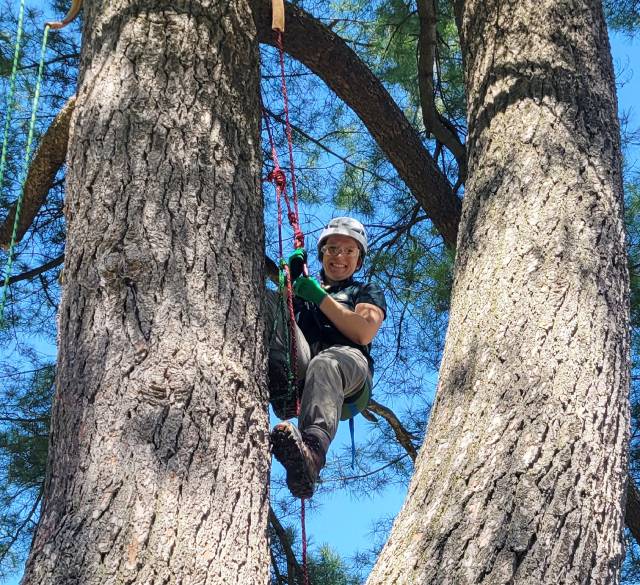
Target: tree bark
159 460
521 478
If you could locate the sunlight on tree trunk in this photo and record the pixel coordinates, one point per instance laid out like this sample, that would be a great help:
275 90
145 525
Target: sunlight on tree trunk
158 463
522 474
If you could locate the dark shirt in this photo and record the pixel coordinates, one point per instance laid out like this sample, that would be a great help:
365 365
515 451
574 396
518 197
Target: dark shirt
318 329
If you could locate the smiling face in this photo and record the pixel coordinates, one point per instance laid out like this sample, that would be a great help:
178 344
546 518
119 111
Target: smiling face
341 267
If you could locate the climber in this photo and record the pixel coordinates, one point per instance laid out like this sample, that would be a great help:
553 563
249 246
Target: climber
336 321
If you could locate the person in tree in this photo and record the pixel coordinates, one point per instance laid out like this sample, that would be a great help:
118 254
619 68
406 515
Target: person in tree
337 318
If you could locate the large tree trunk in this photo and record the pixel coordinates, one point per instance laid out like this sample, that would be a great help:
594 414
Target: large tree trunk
158 468
521 477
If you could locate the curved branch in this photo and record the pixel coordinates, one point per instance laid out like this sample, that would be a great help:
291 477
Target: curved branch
402 435
426 57
73 12
329 57
293 567
46 162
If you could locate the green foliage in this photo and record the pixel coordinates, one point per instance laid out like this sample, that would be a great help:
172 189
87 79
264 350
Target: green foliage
632 216
24 434
24 441
324 566
328 568
387 35
631 567
353 194
449 78
623 15
395 37
337 162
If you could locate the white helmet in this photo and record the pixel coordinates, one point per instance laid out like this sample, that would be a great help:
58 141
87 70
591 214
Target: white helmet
344 226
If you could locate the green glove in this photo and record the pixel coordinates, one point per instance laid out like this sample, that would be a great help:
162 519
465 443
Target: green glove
309 289
297 260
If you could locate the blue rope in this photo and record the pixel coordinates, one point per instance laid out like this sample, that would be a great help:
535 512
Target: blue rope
352 432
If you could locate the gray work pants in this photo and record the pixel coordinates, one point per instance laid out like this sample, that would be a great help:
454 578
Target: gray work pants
330 374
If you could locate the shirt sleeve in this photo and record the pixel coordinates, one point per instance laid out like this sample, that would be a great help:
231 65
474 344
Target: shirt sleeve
373 295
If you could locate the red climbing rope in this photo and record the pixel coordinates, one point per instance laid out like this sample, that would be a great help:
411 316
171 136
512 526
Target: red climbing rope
298 236
278 177
304 543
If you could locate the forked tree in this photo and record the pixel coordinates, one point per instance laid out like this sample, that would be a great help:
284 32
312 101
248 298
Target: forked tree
159 455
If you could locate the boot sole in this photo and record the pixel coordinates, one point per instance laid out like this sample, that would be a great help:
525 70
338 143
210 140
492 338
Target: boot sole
288 451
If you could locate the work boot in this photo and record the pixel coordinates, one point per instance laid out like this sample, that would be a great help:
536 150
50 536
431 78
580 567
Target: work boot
301 455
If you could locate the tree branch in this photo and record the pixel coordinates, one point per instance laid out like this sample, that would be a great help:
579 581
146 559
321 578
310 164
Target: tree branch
321 145
402 435
47 160
37 271
7 546
632 511
329 57
293 567
426 57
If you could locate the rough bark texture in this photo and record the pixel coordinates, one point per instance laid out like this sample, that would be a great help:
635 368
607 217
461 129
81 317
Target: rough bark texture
521 478
159 459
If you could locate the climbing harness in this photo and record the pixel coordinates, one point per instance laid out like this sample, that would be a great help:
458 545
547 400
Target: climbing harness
27 155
